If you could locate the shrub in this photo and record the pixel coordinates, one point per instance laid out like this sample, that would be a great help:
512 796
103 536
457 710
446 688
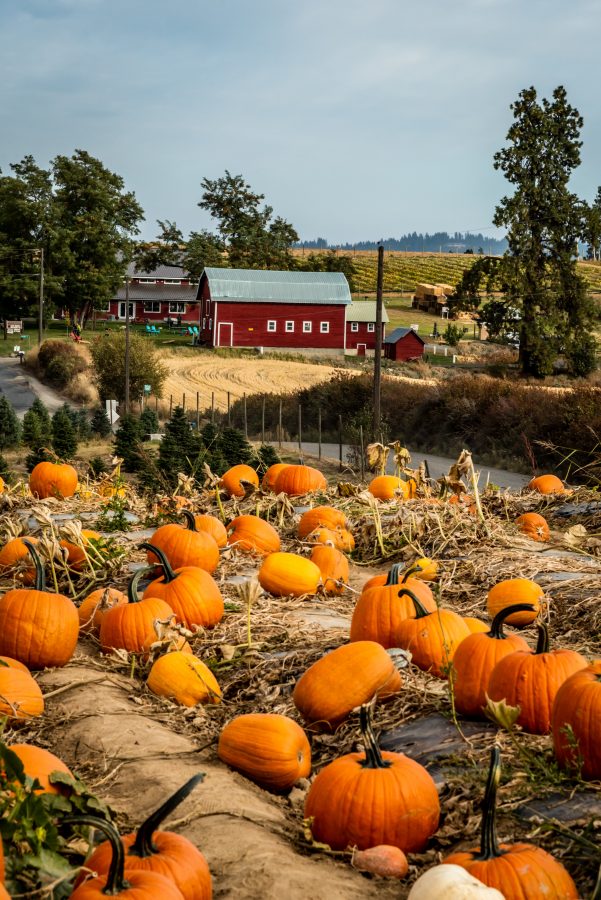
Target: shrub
149 421
59 362
128 443
97 466
10 427
108 355
64 435
453 334
100 424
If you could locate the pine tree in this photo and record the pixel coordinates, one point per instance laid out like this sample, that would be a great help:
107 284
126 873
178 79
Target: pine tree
180 448
128 443
84 430
64 436
149 421
267 456
234 446
5 473
10 427
544 221
100 424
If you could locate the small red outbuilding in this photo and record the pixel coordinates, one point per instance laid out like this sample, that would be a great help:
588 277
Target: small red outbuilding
403 345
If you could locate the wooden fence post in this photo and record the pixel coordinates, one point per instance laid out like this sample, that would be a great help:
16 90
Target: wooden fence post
300 427
362 451
319 433
198 410
245 417
340 443
280 426
263 421
170 405
229 410
212 407
184 401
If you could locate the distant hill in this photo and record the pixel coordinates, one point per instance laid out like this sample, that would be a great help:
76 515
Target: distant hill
439 242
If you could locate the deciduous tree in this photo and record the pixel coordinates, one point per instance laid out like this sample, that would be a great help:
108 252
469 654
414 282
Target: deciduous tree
108 355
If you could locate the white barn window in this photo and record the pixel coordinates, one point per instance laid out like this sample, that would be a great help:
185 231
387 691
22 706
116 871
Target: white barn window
324 327
307 327
289 326
271 325
354 326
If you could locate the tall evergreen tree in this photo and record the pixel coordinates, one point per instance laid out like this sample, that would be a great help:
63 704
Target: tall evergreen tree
544 221
100 423
10 427
180 447
64 435
235 447
128 443
149 421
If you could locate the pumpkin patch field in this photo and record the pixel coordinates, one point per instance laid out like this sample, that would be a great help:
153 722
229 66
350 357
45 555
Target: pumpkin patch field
284 685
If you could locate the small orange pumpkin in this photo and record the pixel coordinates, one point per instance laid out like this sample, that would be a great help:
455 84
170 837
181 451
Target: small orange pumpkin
270 749
546 484
325 516
213 526
128 626
184 678
381 608
192 593
533 525
185 546
431 637
53 480
20 694
76 554
288 574
234 479
389 487
515 590
333 566
298 480
93 608
252 534
576 722
14 555
39 763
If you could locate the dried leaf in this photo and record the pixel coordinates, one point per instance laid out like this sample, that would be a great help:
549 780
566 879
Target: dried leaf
501 713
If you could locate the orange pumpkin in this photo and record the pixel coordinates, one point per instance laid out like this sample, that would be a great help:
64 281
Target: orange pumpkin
40 764
546 484
270 749
366 799
128 626
531 679
533 525
140 883
234 479
76 555
333 566
13 664
576 722
325 516
253 535
389 487
15 555
184 678
192 593
475 658
517 870
185 546
164 853
271 476
511 591
20 694
339 538
53 480
213 526
287 574
381 608
38 628
475 625
298 480
93 608
342 680
431 637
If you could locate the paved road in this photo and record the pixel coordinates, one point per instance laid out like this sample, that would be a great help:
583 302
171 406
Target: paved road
438 465
21 388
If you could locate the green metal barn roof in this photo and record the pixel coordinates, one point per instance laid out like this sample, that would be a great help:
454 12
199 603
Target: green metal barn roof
258 285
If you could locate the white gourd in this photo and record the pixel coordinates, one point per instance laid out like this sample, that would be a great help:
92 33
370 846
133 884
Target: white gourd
451 883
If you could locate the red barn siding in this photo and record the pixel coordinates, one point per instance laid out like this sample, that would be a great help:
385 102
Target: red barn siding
249 324
407 347
362 336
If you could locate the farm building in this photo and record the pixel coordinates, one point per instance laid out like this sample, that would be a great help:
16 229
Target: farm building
155 297
273 310
361 327
403 345
431 298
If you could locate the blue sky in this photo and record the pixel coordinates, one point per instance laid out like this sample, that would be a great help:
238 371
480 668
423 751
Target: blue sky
357 120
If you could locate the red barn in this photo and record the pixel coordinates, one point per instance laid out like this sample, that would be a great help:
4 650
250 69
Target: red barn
403 344
361 327
273 310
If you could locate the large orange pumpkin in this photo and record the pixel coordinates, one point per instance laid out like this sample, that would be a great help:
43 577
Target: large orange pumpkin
161 852
576 721
129 626
518 871
342 680
511 591
38 628
381 608
39 763
366 799
298 480
546 484
253 535
192 593
20 694
185 546
475 658
432 637
213 526
271 476
141 884
234 479
270 749
53 480
531 679
321 516
287 574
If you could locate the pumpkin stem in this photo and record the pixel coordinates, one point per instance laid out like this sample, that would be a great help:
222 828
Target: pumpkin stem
395 572
168 574
596 895
132 587
373 756
40 575
542 644
115 881
411 571
496 629
190 520
143 846
489 847
420 609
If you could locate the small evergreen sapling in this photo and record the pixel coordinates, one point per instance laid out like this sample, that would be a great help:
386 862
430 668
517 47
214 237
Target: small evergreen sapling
64 435
100 423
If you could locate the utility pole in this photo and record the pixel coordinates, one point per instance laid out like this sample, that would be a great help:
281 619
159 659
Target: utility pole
378 348
41 309
127 344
